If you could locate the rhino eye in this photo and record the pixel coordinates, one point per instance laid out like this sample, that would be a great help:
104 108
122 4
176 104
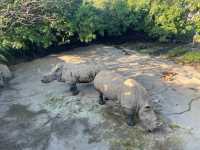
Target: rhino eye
147 108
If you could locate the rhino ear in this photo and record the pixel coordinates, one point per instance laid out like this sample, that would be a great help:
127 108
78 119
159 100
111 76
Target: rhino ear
57 68
60 65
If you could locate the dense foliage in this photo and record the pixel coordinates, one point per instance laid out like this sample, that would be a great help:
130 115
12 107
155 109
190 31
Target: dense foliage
27 25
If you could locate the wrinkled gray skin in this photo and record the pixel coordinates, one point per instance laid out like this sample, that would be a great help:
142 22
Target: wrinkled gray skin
72 74
5 75
131 95
54 74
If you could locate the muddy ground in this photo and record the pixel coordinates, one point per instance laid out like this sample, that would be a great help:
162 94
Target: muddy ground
37 116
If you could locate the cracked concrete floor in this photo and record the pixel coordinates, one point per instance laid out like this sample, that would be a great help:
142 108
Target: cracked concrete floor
36 116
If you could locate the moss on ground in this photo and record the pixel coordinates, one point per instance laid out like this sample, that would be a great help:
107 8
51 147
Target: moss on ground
121 137
191 57
111 126
174 126
125 138
21 112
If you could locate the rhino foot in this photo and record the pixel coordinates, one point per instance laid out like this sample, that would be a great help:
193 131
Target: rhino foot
130 120
74 89
102 102
75 92
101 99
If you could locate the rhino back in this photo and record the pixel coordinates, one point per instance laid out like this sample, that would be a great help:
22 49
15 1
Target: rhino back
82 73
129 92
109 83
133 94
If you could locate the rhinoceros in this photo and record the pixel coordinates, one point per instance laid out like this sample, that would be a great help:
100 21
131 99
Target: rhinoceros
132 96
5 75
72 74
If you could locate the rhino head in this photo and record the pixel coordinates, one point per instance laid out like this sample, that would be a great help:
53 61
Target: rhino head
148 118
54 74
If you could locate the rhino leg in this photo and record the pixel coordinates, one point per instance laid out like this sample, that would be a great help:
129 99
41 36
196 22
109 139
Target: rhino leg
74 89
130 117
130 120
101 99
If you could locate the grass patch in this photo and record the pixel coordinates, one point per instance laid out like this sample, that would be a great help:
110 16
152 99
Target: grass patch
174 126
191 57
151 48
176 52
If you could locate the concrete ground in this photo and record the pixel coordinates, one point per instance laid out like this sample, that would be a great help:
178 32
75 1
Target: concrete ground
37 116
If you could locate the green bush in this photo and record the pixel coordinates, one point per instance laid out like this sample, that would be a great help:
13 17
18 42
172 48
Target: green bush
193 8
117 17
170 20
27 26
191 57
87 23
